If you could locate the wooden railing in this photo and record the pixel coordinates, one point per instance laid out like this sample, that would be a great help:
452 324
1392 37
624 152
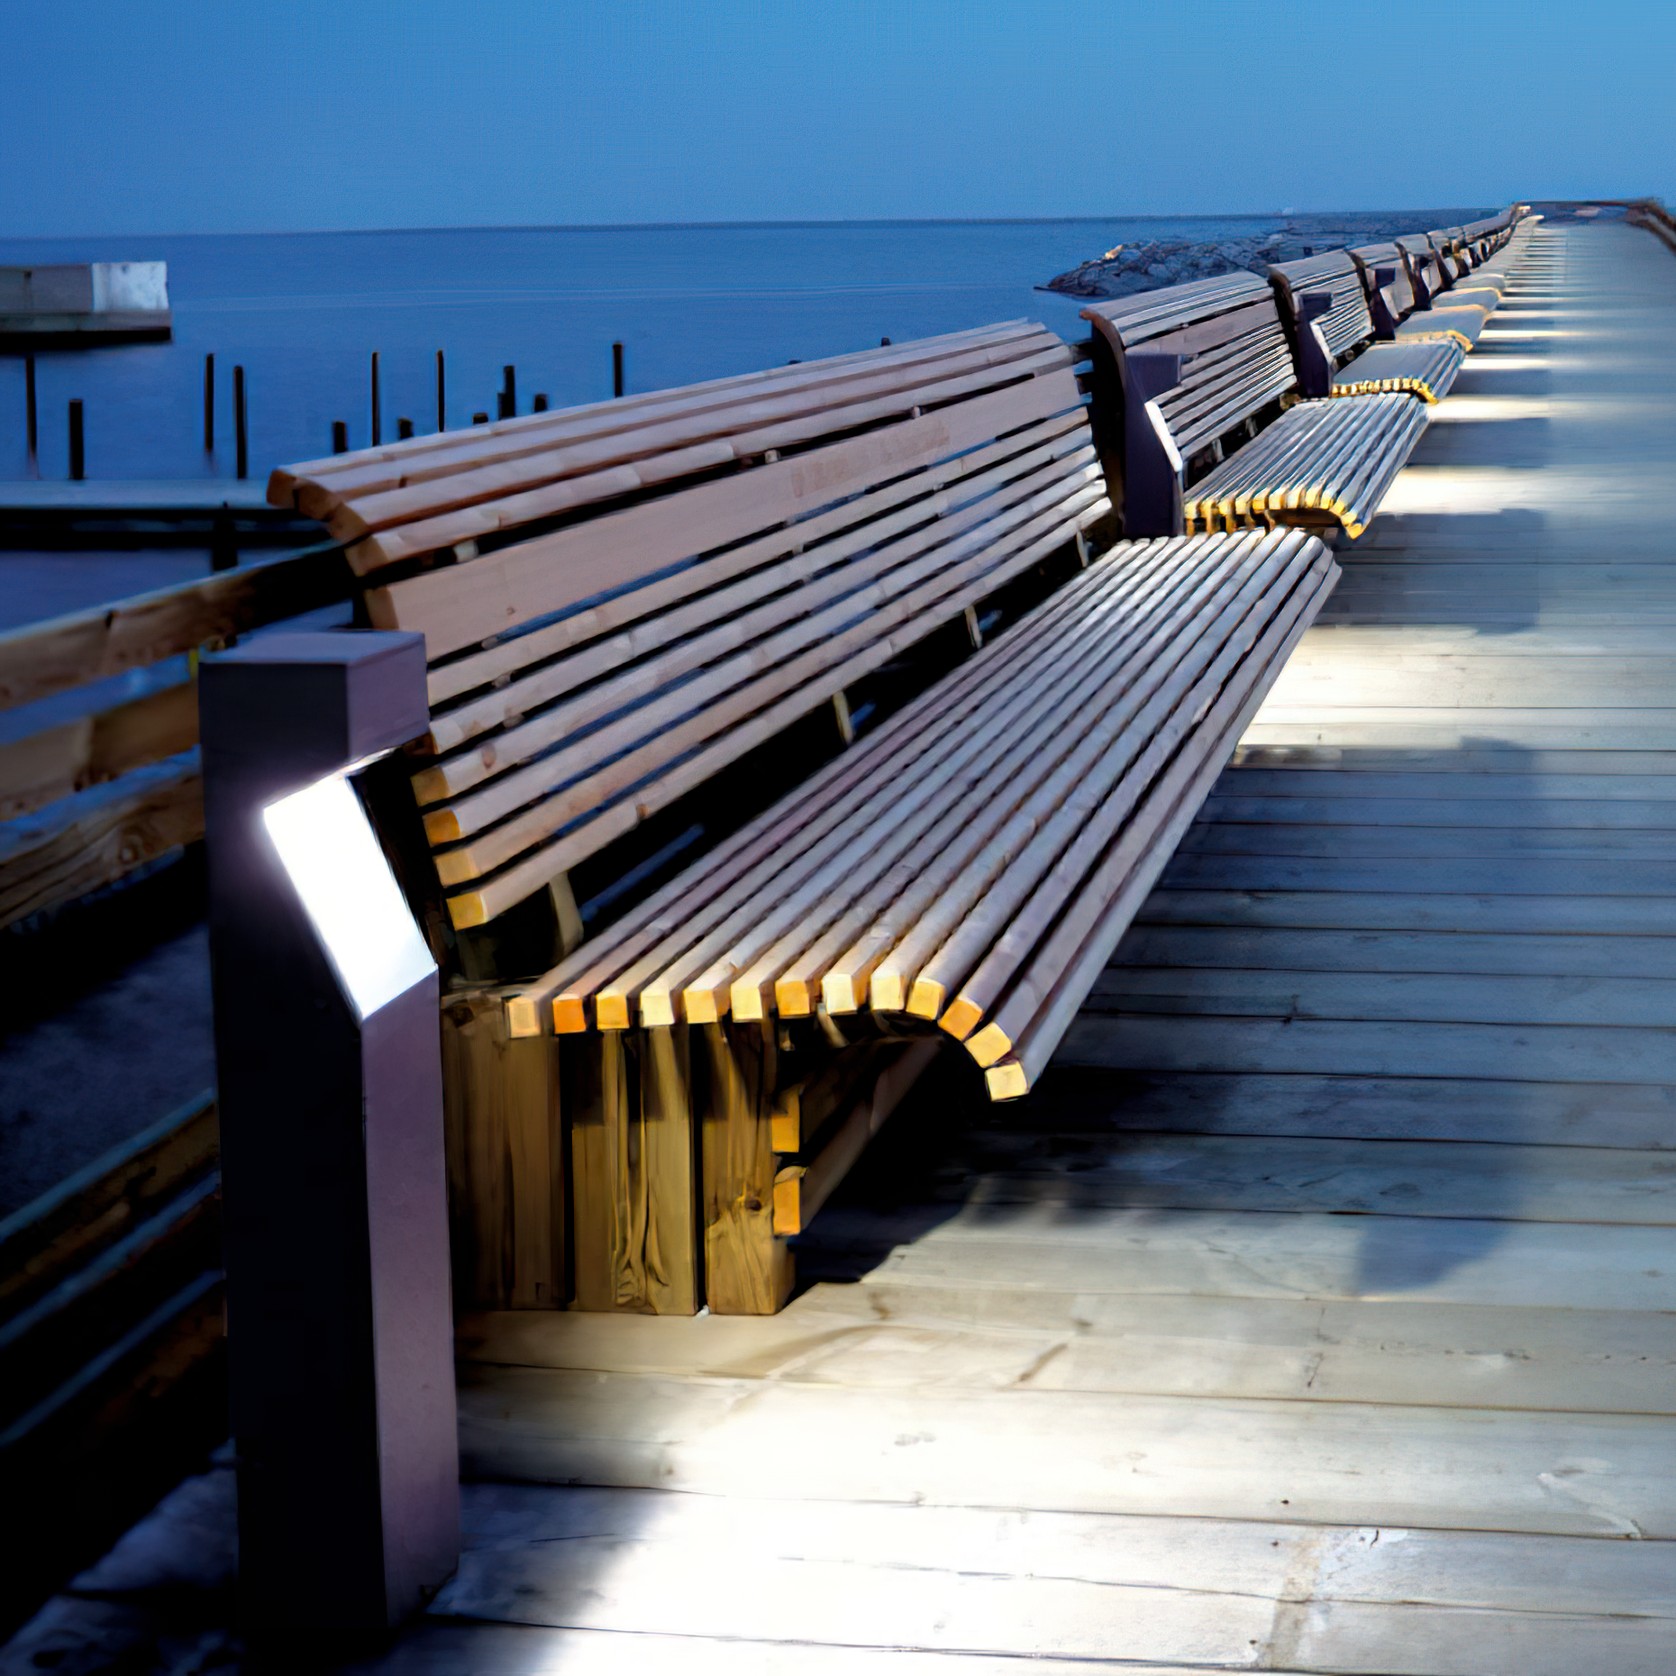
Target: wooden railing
98 792
111 1337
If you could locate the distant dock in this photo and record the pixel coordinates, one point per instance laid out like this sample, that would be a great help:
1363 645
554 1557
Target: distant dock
72 302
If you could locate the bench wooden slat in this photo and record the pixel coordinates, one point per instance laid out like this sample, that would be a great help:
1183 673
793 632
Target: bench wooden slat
813 603
1064 974
972 581
610 968
324 483
628 620
410 524
463 605
1109 845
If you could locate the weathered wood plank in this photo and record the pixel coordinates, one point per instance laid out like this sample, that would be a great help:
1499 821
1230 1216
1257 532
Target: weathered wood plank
892 1334
44 658
84 843
1558 1474
45 1241
60 761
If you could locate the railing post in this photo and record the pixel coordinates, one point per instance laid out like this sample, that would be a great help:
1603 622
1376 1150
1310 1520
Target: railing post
78 444
241 427
330 1091
31 412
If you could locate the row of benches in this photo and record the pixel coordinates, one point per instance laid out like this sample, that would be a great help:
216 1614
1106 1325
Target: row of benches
1329 339
635 614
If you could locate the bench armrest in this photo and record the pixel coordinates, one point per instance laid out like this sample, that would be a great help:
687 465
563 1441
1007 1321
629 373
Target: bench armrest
1315 359
1152 464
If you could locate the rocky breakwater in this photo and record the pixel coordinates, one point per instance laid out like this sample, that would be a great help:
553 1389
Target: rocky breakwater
1148 264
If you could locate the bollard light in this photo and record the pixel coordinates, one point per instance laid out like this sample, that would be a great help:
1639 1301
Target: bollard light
340 1347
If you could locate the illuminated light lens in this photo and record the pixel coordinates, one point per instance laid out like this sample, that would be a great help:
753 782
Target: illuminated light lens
340 874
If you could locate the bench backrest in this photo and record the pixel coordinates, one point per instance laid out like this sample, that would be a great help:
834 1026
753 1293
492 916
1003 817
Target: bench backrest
1193 363
619 600
1325 303
1424 269
1388 281
1231 343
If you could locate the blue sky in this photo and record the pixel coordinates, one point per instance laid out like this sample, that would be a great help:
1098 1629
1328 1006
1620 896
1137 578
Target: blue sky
136 116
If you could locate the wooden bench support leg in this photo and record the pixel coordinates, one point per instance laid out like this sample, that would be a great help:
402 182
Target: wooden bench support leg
634 1201
506 1189
747 1270
565 912
841 715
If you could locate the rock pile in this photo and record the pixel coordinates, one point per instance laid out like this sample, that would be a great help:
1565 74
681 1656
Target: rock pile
1151 263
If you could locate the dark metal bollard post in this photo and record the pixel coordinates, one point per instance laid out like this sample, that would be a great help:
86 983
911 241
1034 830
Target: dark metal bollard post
241 427
503 406
31 413
340 1337
340 437
404 429
377 422
616 369
539 405
78 455
441 395
209 404
884 343
480 418
509 383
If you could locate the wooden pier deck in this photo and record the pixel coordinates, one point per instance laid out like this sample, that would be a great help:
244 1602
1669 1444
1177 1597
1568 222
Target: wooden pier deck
1319 1314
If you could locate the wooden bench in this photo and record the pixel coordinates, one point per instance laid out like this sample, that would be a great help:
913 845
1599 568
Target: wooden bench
1325 302
1203 365
630 610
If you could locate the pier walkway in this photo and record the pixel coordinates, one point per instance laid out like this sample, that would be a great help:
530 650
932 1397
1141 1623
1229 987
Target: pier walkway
1319 1314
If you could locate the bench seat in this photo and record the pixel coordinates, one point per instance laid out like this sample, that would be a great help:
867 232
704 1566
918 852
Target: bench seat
1213 362
973 863
1463 324
1423 367
1322 462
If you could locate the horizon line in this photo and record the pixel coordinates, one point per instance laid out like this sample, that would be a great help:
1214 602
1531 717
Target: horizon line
739 225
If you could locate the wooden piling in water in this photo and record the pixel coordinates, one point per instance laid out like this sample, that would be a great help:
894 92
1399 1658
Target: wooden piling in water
480 418
209 404
441 394
78 444
340 437
377 426
616 369
241 426
509 385
404 429
539 405
31 414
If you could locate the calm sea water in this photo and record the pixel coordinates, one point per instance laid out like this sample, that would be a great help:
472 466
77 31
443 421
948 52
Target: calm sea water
302 312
